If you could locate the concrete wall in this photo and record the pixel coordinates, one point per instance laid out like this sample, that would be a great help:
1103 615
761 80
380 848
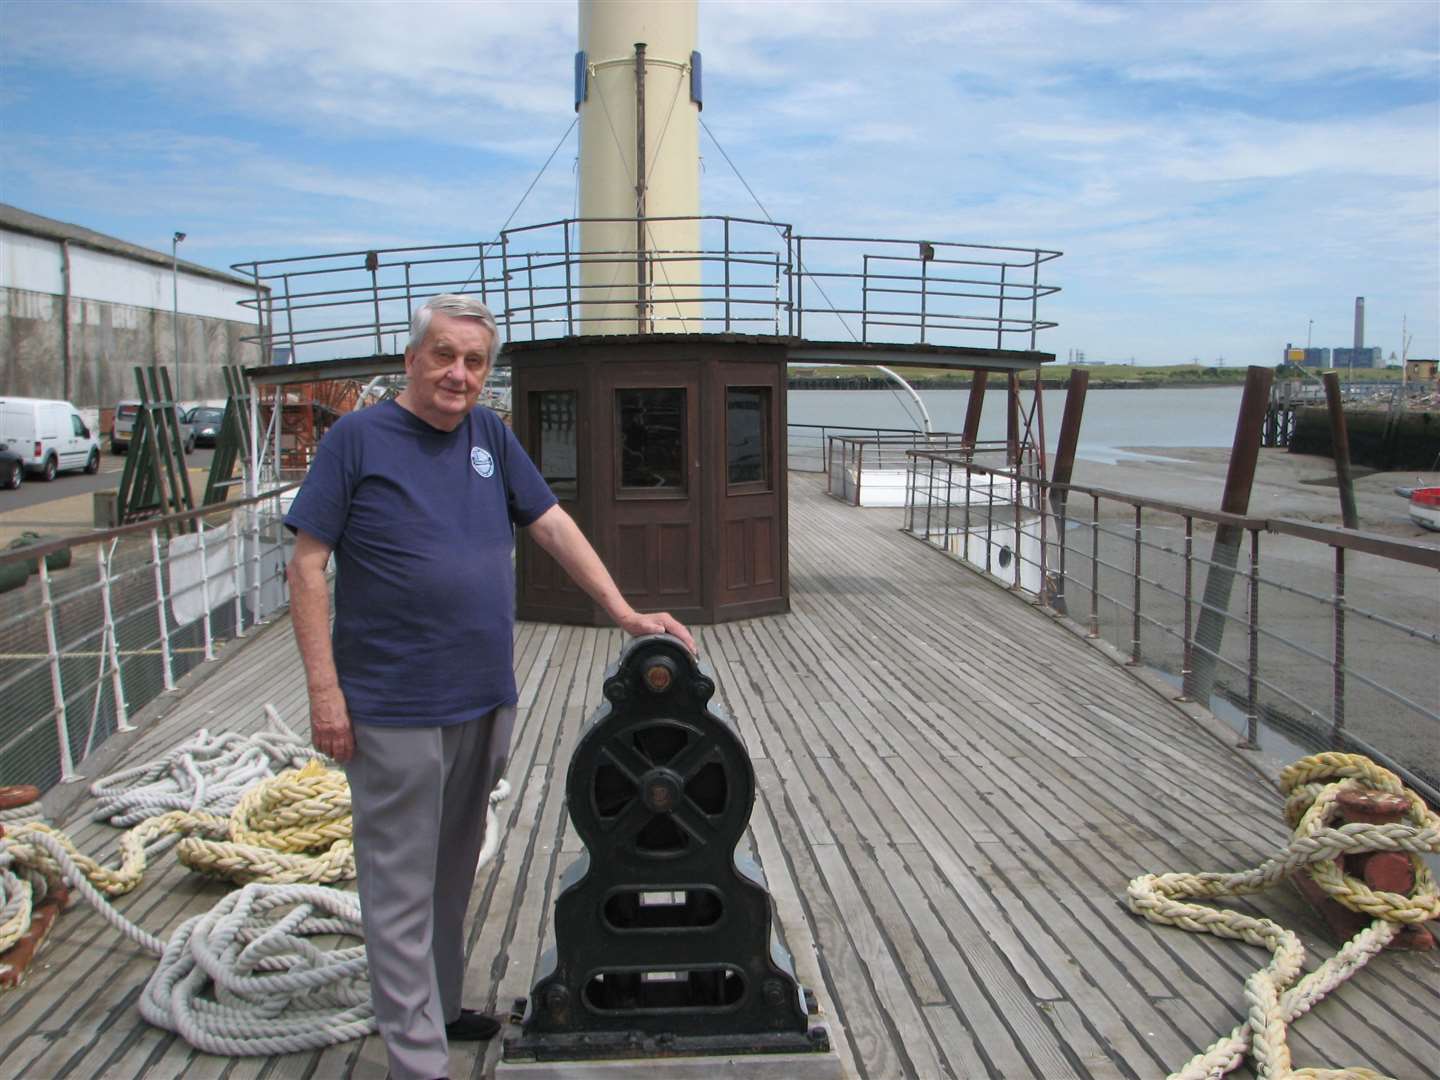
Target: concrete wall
119 316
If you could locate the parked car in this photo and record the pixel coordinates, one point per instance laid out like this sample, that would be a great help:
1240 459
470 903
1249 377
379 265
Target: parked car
205 421
12 467
122 428
50 436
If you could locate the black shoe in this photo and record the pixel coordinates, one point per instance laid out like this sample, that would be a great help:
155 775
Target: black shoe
472 1026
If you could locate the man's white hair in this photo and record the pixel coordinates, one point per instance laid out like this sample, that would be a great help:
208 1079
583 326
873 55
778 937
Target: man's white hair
457 306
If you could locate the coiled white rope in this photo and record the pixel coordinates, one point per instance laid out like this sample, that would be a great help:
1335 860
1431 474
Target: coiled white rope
242 978
17 815
205 772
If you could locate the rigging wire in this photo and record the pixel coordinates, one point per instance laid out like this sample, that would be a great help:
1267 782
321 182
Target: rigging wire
904 405
523 197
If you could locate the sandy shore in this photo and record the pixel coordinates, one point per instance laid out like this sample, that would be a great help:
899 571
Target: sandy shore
1298 486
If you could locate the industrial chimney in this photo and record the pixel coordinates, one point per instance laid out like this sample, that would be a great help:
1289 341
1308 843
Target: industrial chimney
1359 323
637 89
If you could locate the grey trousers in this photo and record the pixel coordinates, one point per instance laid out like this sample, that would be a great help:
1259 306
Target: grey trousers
418 796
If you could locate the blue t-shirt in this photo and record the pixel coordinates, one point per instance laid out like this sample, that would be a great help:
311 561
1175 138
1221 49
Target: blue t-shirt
422 523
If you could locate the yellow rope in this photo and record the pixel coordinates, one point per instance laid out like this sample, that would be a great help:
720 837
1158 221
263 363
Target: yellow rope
1272 995
294 828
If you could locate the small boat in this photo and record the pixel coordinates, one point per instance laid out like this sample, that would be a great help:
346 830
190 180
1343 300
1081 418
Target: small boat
1425 507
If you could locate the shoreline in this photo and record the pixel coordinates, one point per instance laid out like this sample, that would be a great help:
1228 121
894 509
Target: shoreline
1301 487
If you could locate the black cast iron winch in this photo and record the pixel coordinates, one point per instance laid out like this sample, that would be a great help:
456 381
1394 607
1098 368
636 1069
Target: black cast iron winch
664 943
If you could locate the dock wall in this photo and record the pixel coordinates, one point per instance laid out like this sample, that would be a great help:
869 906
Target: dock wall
1378 438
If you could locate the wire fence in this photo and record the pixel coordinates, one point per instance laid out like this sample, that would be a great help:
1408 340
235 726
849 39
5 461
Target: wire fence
93 628
1316 636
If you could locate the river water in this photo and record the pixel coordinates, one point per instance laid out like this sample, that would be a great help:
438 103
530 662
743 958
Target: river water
1113 420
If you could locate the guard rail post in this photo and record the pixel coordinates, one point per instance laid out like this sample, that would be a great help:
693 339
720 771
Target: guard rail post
1252 670
237 571
109 644
726 222
57 690
949 500
204 588
1015 500
569 288
1188 641
1337 665
167 671
1135 611
1094 566
969 482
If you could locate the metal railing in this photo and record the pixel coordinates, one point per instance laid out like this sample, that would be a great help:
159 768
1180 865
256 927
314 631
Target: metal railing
807 445
1332 639
744 276
106 622
873 469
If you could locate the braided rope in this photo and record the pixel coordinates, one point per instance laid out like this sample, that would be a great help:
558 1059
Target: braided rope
241 979
205 772
1273 998
18 815
16 900
292 828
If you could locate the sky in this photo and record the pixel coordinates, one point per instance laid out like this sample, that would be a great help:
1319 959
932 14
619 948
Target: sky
1218 175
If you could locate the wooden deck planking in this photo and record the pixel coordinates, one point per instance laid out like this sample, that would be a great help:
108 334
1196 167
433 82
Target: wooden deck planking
952 792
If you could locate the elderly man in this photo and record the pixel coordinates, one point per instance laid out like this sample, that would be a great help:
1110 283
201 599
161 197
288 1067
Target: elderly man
415 693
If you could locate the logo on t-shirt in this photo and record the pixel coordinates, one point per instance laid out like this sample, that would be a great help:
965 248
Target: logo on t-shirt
481 461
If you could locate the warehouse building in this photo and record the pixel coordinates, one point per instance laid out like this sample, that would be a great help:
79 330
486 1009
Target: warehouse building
80 310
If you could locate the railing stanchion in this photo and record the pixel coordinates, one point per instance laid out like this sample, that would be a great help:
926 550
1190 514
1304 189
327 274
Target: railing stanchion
865 298
57 690
1062 541
237 576
530 290
726 222
949 499
167 672
204 588
569 301
1337 663
505 273
969 484
1188 642
110 642
1135 615
1000 315
799 290
1094 566
257 612
989 519
1252 667
1015 498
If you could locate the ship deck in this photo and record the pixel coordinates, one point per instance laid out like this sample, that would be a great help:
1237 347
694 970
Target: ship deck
953 790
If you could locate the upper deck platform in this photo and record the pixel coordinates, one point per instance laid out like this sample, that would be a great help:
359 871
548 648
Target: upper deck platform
841 299
953 791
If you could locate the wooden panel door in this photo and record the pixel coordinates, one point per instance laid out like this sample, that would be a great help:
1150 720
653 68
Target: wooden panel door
750 484
651 413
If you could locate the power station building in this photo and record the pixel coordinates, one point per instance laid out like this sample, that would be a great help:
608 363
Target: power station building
79 310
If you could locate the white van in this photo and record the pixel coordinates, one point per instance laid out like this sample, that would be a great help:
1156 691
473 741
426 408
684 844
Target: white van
49 435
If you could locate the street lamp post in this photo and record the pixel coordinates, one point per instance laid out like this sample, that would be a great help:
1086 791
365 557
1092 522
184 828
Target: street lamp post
175 296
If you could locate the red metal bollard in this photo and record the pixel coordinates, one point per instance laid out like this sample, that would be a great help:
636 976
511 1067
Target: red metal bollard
16 960
1388 871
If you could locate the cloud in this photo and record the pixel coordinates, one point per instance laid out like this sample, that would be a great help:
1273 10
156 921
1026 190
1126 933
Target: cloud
1255 157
